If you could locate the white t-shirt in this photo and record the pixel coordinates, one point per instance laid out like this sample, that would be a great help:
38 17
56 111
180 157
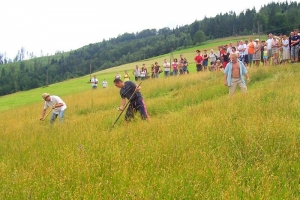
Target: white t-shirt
229 50
241 49
94 81
167 66
104 84
269 43
212 57
137 72
246 50
143 73
53 101
285 42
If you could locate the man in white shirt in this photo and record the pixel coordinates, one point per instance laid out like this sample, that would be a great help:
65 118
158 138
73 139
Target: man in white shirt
241 49
167 68
94 82
57 105
269 47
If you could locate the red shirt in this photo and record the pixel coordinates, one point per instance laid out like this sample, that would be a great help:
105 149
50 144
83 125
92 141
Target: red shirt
198 59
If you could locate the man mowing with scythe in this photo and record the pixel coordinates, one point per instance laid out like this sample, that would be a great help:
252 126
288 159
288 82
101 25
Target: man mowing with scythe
57 105
129 90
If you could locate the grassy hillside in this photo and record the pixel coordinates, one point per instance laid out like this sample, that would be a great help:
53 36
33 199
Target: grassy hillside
79 85
198 144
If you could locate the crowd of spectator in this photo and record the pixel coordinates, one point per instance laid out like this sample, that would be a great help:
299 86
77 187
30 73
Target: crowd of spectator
276 50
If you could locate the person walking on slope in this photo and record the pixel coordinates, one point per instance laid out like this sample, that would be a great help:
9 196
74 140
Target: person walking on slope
130 91
57 105
234 74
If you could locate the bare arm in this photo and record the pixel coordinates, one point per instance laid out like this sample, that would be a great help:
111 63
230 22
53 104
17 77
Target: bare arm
123 102
225 79
43 114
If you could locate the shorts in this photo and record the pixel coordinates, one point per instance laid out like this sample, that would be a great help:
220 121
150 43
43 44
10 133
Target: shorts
205 63
294 51
270 53
274 51
250 58
199 67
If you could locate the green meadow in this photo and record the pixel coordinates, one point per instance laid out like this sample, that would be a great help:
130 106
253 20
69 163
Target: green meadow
198 144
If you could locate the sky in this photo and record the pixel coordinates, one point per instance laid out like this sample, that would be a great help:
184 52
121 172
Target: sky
64 25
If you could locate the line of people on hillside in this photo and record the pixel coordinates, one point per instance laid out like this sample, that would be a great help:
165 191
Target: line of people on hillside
276 50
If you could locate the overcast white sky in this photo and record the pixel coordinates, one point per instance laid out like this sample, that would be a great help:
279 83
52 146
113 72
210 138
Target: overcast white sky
62 25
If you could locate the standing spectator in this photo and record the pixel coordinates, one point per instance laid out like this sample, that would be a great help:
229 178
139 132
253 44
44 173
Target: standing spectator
57 105
198 59
167 68
234 51
104 83
205 60
241 48
295 46
118 75
137 73
152 71
175 67
94 82
265 56
285 49
229 49
212 56
143 74
269 46
234 75
280 48
262 48
126 76
182 65
145 69
225 59
290 42
185 65
257 53
157 70
246 53
275 47
251 45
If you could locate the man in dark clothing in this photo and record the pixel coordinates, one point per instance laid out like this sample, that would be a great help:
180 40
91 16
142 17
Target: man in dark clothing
130 91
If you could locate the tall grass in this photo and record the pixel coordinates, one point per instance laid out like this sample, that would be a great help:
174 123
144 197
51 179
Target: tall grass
198 144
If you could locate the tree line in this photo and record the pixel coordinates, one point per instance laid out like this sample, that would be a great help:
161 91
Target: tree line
131 47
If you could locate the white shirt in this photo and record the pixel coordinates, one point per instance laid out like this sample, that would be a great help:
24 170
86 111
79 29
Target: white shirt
229 50
53 101
285 42
104 84
246 50
269 43
143 73
166 66
94 81
241 49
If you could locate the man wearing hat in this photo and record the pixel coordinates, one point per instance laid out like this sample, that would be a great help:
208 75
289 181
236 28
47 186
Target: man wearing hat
57 105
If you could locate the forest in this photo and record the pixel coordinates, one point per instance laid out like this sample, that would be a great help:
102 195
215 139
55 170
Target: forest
24 75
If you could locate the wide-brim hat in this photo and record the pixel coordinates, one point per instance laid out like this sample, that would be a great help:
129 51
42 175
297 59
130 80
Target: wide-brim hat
45 95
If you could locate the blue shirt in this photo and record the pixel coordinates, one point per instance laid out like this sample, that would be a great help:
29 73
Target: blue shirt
295 38
228 71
